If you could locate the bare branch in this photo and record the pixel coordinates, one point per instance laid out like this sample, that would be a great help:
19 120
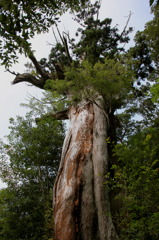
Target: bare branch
126 25
38 67
67 48
130 14
12 72
55 35
99 3
27 77
65 44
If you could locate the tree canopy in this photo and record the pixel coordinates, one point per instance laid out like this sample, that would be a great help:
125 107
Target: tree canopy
28 165
20 21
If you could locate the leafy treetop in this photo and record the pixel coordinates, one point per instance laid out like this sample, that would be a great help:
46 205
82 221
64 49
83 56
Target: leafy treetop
20 21
98 39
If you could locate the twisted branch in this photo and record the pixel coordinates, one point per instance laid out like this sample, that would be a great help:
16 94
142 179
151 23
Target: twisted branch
27 77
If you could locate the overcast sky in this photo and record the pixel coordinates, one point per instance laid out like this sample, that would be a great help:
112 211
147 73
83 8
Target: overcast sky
12 95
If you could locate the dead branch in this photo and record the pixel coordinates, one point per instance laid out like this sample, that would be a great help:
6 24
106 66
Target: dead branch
122 33
67 49
130 14
55 35
12 72
63 115
65 44
27 77
38 67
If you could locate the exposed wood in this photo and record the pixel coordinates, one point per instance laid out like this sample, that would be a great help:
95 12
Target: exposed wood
101 163
65 44
73 190
81 201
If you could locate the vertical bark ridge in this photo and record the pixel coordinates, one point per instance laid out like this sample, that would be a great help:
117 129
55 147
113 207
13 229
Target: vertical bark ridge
73 188
101 165
81 201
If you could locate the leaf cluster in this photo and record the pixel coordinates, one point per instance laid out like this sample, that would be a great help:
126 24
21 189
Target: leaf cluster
20 21
29 163
137 177
98 40
109 79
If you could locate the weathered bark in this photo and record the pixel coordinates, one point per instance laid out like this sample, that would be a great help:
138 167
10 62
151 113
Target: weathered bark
81 201
27 77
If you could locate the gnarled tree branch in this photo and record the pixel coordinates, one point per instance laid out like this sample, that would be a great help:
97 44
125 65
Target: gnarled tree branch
27 77
38 67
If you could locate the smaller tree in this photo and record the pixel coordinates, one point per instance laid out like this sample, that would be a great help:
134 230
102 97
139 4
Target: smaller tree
137 175
29 165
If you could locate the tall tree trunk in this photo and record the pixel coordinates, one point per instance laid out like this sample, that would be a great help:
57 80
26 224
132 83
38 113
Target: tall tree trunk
81 201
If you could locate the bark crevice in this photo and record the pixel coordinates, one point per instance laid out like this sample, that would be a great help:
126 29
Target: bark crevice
81 201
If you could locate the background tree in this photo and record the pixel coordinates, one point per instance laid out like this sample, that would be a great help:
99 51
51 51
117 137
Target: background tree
136 167
136 173
28 166
19 22
137 176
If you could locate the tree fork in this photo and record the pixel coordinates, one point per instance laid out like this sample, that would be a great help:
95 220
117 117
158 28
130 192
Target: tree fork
27 77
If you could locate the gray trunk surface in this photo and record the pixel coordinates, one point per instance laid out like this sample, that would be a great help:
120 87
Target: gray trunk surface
81 201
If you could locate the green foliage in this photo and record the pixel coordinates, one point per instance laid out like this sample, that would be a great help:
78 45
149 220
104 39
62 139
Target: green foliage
145 54
22 213
29 163
152 31
155 92
109 79
134 176
96 64
20 21
98 40
150 34
137 177
141 56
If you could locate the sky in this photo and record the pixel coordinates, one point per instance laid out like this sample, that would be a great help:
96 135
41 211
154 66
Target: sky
11 96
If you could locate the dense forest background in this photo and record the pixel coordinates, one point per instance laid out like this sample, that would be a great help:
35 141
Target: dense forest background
31 154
